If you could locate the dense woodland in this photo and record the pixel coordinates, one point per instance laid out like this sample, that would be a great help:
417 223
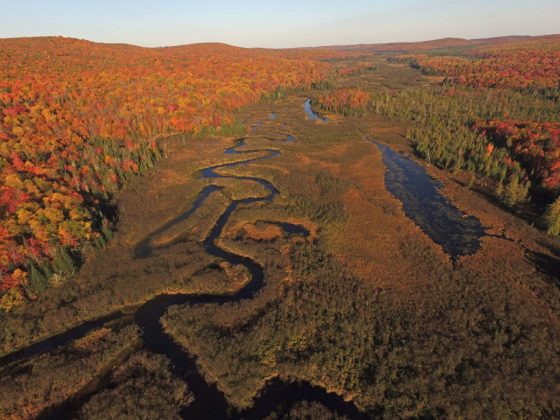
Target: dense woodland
495 113
345 101
77 121
530 65
395 361
78 118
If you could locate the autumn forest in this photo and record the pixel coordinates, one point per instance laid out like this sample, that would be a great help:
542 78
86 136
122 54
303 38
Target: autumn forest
210 231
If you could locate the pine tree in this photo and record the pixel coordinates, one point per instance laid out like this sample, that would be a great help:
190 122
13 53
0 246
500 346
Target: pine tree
37 280
500 190
515 191
552 218
63 263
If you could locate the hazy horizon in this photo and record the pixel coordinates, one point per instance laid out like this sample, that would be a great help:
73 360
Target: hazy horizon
287 25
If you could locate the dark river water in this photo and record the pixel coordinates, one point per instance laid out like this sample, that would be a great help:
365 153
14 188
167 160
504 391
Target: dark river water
209 403
312 115
457 233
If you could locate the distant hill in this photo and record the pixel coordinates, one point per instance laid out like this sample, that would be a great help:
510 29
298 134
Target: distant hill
439 43
63 42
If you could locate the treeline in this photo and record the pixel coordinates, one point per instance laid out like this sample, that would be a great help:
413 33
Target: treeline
530 65
57 205
497 134
349 102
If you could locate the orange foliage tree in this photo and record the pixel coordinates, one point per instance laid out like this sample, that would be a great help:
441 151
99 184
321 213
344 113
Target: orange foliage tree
531 64
345 101
535 145
77 118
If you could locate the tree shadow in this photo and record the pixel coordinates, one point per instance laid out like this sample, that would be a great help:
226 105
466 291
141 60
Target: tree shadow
546 264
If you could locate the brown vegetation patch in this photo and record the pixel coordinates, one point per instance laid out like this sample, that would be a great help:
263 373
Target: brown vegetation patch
238 274
142 387
47 380
262 231
87 341
166 178
381 129
236 189
370 240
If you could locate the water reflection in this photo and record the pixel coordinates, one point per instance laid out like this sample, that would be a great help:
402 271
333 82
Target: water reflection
456 232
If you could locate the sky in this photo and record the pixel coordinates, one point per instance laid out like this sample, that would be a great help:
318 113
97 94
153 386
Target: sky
278 24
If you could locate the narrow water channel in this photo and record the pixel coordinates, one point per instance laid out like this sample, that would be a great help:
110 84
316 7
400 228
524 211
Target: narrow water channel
209 403
312 115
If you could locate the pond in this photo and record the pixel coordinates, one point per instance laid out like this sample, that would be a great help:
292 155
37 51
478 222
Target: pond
457 233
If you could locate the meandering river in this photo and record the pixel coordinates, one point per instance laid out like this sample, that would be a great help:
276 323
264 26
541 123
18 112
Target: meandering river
312 115
457 233
209 401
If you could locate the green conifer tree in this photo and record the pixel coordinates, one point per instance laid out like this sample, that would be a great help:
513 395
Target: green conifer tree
552 218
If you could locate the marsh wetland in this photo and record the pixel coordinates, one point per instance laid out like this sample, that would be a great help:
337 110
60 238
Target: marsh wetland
312 266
